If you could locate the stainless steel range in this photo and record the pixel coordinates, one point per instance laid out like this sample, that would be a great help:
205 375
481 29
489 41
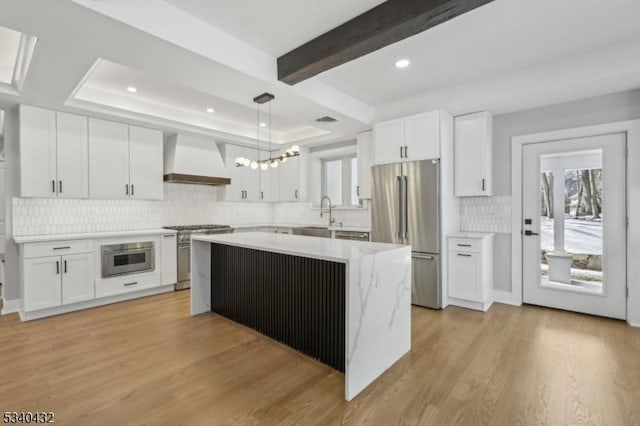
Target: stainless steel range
184 248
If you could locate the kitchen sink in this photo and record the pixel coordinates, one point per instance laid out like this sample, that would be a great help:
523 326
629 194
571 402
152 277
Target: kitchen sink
313 231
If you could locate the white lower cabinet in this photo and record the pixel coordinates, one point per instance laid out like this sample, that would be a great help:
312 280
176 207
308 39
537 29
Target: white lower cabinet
42 283
57 280
471 270
77 278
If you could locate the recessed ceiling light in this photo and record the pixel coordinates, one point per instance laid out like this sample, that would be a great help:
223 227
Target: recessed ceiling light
132 89
263 124
403 63
210 110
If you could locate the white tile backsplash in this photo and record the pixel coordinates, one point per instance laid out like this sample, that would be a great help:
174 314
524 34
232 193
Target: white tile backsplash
485 214
182 205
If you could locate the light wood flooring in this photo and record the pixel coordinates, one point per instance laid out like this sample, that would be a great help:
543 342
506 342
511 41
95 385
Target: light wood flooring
148 362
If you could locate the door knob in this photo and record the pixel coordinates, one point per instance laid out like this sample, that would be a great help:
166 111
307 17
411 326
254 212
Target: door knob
530 233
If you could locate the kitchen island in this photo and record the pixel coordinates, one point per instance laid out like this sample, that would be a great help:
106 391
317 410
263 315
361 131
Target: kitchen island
344 303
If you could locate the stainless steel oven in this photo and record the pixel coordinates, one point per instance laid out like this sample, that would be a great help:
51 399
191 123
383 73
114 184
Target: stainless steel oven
125 259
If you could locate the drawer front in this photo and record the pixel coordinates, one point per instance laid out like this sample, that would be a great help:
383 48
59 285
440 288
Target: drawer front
127 284
465 245
57 248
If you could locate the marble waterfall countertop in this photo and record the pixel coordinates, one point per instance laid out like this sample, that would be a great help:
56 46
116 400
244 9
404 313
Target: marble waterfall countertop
377 280
299 245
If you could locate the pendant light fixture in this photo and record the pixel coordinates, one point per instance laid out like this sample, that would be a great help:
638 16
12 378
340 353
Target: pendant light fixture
272 162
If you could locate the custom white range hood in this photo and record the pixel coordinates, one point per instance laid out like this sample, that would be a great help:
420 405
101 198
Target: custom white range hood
194 160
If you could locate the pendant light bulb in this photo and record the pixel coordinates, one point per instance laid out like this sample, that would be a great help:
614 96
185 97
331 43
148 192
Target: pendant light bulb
283 158
247 162
274 164
254 165
295 149
264 166
240 160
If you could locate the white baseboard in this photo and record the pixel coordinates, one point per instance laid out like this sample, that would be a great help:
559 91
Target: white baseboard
506 297
633 324
10 306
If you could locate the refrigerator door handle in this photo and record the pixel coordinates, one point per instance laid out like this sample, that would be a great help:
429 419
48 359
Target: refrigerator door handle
400 206
406 206
422 256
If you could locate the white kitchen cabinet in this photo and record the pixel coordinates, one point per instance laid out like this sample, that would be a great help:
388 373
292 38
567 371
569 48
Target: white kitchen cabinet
365 161
57 273
422 136
293 178
42 283
473 155
269 179
72 155
245 181
108 159
77 278
145 164
169 256
411 138
37 153
125 162
54 160
388 141
470 270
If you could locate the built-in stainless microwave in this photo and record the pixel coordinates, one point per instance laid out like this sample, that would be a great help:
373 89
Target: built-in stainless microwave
124 259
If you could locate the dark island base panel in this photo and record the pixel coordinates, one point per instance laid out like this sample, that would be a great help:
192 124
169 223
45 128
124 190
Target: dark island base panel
295 300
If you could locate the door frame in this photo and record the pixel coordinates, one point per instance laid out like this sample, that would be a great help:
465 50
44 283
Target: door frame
632 130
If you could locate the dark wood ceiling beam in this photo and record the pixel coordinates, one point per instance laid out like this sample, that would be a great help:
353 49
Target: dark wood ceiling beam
385 24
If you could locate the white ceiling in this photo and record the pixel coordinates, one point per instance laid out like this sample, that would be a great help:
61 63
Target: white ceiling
9 43
183 54
275 26
497 40
107 84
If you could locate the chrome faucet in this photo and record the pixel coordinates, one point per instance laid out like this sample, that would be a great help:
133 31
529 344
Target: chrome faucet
331 218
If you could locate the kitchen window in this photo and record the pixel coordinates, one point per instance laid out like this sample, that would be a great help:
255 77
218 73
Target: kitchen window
340 181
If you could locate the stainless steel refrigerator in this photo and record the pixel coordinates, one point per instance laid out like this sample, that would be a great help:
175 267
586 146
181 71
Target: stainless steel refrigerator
406 210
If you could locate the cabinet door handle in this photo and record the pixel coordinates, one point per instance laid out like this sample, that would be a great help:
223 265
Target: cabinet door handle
406 151
168 236
130 284
464 245
126 189
358 190
53 186
60 187
133 189
483 181
464 255
65 266
296 193
62 248
261 195
57 267
401 153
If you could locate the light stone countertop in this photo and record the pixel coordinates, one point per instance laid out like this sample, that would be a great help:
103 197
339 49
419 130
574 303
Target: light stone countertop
355 228
89 235
298 245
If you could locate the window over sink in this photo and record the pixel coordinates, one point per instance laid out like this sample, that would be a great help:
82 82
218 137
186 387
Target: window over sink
340 180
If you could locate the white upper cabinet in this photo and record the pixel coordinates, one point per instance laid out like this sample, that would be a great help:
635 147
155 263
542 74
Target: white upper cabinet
145 164
422 136
53 154
473 153
108 159
293 178
365 161
388 142
245 181
124 161
407 139
72 156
